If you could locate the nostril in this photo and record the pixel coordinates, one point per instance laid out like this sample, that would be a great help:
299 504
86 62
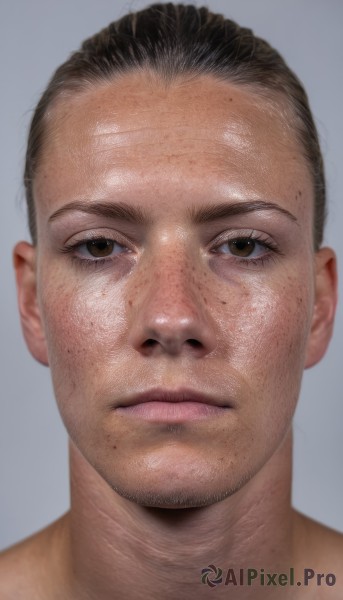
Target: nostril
149 343
194 343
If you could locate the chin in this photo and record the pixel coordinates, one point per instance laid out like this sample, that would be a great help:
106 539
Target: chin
176 476
172 499
173 476
186 490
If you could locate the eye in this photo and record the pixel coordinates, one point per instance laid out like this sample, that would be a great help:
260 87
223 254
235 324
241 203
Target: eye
95 250
100 248
243 247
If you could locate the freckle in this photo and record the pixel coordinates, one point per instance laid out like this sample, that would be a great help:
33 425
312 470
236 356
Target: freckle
130 302
114 447
223 302
92 324
230 100
299 192
68 351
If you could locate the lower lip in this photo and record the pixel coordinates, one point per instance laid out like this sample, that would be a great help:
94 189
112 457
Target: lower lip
172 411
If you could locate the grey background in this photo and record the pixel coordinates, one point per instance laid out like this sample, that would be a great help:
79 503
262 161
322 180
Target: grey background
35 37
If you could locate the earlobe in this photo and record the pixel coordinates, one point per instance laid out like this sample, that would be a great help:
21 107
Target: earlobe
24 258
324 307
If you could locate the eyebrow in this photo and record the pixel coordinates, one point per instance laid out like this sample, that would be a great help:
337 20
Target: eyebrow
210 213
198 215
110 210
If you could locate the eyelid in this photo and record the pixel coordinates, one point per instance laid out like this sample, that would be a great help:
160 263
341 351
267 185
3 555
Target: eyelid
253 234
269 249
83 237
83 250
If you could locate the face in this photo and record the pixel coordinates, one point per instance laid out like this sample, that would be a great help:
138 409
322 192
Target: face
174 289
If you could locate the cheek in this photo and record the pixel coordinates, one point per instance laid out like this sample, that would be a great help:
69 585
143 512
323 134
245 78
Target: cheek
271 323
268 343
85 324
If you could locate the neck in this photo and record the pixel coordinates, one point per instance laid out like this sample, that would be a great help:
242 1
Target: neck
138 552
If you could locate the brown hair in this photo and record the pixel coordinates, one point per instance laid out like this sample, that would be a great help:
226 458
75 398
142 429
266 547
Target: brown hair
174 40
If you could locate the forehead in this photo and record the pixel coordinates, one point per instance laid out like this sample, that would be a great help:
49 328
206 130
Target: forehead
190 134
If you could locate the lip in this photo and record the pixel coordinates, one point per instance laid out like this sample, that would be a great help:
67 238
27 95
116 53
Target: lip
163 405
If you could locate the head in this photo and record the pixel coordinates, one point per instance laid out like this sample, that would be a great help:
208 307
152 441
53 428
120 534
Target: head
176 203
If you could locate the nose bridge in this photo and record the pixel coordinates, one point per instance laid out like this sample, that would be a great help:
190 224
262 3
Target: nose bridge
171 309
174 281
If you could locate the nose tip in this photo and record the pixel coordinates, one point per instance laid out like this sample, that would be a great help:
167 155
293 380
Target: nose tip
172 320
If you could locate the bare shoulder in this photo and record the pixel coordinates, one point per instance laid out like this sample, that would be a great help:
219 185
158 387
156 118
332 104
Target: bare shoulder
321 542
319 550
27 568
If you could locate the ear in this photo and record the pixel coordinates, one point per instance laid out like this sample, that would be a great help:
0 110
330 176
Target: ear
24 258
324 306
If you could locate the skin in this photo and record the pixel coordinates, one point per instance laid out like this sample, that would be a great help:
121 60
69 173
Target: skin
176 307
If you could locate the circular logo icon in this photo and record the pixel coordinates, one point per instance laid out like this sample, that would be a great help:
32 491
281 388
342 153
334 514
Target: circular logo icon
211 575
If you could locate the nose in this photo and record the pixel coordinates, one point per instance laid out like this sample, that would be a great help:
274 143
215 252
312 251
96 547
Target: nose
171 313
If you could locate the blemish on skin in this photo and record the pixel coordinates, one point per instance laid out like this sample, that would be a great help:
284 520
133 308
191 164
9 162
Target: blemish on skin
130 302
92 324
114 447
222 301
299 193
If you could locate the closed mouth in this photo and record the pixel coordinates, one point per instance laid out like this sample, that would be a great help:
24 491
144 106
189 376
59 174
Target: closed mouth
172 405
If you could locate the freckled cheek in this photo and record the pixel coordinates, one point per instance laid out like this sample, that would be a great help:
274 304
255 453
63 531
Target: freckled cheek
267 325
267 333
84 324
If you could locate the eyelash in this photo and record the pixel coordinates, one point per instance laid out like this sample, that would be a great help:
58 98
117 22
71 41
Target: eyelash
263 240
91 262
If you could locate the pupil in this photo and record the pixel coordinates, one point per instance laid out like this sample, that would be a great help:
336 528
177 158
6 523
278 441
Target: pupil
100 248
242 247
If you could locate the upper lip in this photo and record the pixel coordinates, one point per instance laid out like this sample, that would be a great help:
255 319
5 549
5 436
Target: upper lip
172 395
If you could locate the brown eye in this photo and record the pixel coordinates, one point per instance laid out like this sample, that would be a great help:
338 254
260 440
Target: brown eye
100 248
242 247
